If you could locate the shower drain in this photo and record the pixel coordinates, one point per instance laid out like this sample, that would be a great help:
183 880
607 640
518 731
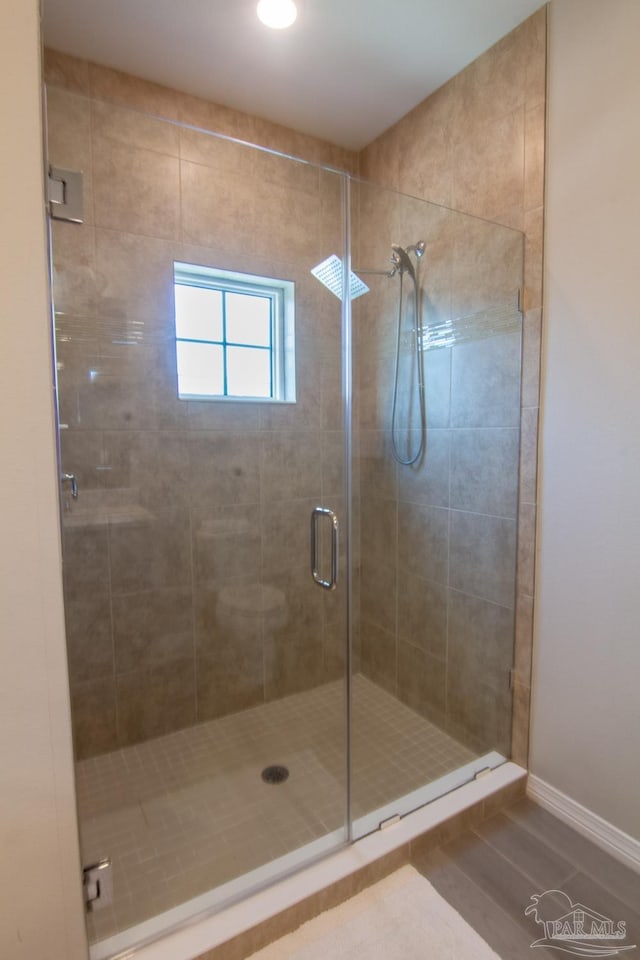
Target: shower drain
275 774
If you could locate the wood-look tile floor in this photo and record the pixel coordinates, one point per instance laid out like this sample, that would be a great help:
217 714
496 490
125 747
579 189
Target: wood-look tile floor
490 873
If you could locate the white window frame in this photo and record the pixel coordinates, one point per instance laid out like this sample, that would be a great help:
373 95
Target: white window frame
282 296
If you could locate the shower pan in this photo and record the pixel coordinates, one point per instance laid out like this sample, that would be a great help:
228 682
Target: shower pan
288 516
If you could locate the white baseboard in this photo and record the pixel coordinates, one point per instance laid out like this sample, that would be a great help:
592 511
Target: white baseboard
616 842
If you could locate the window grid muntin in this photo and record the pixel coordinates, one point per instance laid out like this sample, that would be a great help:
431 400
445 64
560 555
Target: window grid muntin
274 296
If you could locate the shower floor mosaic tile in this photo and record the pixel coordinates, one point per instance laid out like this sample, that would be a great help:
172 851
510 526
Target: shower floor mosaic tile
186 812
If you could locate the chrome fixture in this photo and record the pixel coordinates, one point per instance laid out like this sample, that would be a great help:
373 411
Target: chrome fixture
330 273
402 263
71 478
380 273
65 195
316 513
97 885
417 248
399 261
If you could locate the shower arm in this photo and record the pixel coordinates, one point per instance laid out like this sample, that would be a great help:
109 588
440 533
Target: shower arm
417 248
378 273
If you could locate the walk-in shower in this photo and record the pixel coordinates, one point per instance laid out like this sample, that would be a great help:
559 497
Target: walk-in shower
202 652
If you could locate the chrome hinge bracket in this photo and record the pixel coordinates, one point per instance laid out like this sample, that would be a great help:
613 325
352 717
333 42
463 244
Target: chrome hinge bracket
97 885
65 195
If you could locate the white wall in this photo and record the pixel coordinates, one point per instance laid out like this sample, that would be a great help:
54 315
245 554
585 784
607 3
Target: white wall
586 706
40 906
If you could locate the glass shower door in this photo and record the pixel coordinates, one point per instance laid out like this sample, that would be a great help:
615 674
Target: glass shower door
199 377
436 455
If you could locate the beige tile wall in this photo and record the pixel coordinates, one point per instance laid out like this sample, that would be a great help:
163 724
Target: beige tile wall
438 542
477 145
187 588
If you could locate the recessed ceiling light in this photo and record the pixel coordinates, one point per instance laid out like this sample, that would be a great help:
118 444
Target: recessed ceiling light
277 13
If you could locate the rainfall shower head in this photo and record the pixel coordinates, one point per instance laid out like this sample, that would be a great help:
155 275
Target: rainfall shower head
330 273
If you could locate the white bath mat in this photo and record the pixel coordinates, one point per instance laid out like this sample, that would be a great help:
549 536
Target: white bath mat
401 918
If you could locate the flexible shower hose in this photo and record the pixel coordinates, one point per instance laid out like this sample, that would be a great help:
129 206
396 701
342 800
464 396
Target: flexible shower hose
421 399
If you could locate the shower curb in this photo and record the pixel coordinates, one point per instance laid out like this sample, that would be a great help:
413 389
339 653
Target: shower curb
244 928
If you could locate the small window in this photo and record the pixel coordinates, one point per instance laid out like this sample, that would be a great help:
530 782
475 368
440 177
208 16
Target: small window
234 335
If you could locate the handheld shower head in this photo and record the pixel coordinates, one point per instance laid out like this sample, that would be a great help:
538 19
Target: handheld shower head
402 263
401 260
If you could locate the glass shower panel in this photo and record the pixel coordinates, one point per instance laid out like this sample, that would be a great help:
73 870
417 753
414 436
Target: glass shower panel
434 561
207 667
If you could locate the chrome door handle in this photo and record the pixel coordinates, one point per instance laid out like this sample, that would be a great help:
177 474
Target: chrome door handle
315 514
71 478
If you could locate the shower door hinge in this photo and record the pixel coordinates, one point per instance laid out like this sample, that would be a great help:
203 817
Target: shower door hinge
519 299
512 678
64 193
97 885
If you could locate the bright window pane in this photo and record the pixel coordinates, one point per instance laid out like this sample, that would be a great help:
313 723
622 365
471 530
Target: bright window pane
198 313
248 372
249 319
200 369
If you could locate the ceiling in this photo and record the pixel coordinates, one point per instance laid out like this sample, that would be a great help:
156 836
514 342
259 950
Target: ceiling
345 71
